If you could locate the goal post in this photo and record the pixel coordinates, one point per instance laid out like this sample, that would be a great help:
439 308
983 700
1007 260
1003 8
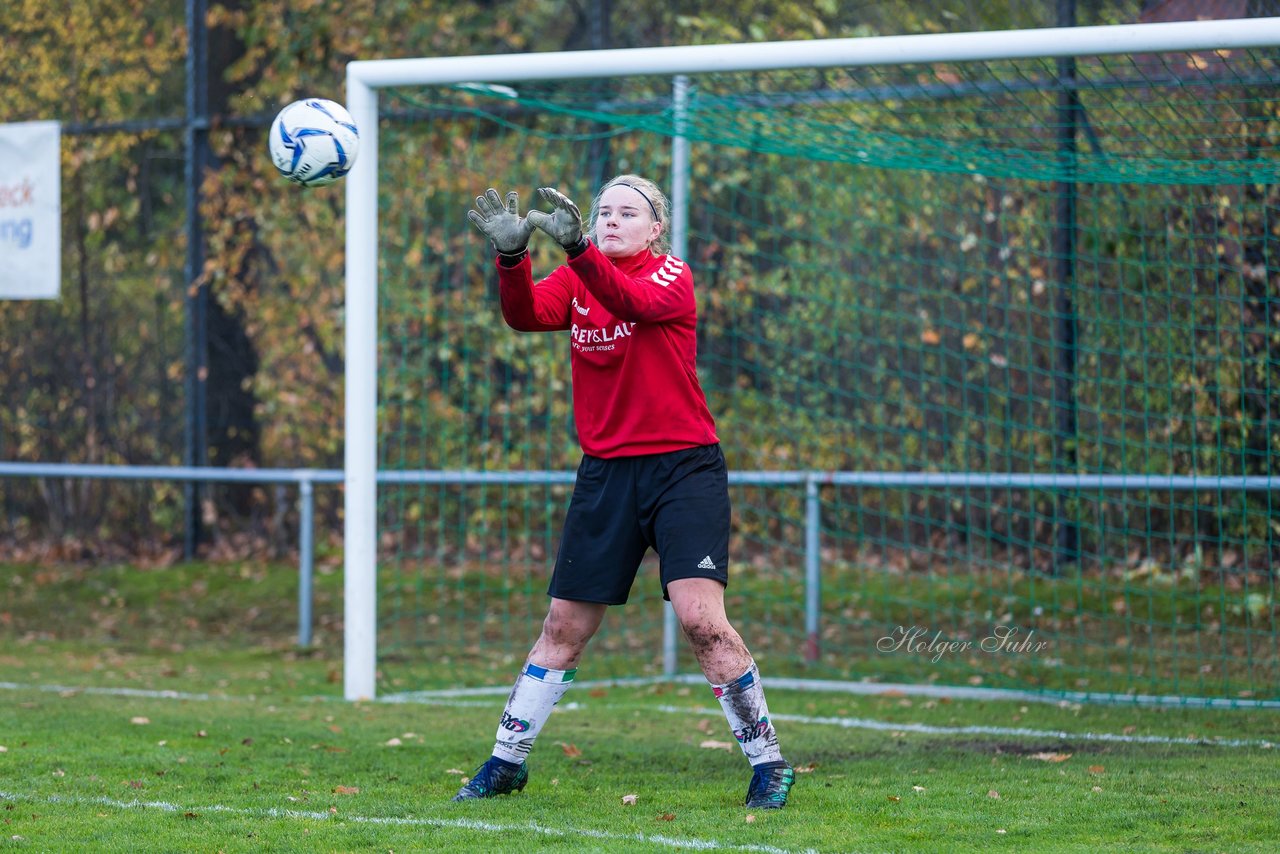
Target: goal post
682 68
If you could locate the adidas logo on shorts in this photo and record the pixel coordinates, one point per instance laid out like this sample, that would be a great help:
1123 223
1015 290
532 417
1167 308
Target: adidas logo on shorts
707 563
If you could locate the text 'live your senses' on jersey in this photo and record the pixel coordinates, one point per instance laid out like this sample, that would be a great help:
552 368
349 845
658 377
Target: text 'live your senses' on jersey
631 324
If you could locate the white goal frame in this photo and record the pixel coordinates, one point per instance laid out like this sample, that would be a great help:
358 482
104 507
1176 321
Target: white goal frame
365 78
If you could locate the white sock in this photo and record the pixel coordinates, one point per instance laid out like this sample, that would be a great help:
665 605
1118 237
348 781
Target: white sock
535 694
748 716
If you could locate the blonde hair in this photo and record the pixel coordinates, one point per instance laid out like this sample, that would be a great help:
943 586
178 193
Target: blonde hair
657 203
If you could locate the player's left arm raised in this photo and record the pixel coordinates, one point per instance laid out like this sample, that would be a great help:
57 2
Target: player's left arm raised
658 296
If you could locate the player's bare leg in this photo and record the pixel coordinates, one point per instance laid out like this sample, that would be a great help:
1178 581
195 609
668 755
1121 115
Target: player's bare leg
735 681
699 606
547 673
565 632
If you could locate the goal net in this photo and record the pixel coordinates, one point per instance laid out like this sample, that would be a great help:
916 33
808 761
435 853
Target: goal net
986 322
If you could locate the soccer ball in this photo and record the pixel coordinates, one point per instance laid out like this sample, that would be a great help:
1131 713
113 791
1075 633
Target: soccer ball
314 142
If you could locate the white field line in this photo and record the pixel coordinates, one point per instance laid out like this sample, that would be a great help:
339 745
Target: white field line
149 694
503 690
952 692
658 840
449 699
1011 732
114 692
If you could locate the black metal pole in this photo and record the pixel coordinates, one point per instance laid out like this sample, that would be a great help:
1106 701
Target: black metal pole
601 25
195 437
1067 545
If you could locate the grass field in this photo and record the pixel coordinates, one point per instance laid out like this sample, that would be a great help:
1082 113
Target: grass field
168 710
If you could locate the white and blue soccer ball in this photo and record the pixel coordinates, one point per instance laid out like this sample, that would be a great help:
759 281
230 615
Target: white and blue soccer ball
314 142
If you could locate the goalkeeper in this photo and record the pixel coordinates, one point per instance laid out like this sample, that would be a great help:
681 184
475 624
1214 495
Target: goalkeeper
652 472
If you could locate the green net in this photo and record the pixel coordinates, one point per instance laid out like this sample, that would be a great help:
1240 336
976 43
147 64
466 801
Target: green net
978 269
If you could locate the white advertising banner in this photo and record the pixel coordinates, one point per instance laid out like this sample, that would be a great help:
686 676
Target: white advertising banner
30 210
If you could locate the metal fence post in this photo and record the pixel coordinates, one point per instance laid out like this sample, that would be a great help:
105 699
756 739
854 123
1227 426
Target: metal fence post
306 523
812 567
669 634
679 247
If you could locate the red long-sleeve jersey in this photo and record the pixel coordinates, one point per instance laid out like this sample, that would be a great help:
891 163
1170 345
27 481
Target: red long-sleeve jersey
631 325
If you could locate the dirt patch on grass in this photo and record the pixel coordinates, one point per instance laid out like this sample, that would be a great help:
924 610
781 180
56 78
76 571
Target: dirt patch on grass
992 747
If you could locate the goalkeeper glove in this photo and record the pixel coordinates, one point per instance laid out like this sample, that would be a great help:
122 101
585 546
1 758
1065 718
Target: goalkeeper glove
506 229
564 224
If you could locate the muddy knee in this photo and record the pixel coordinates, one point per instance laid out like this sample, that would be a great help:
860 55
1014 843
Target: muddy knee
565 631
707 639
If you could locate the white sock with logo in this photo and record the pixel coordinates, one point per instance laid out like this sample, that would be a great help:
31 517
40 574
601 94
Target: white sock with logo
748 715
535 694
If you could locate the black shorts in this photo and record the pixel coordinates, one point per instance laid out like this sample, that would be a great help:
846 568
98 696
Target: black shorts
676 503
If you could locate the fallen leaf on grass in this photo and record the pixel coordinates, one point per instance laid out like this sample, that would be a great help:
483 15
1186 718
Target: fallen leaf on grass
3 749
629 800
1097 769
895 798
667 816
135 784
806 769
1050 757
750 818
993 794
1097 788
917 788
202 734
570 750
191 815
393 742
716 745
140 721
454 771
704 725
346 790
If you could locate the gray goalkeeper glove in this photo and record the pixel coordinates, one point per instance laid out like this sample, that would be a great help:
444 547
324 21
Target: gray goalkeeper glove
564 224
503 225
